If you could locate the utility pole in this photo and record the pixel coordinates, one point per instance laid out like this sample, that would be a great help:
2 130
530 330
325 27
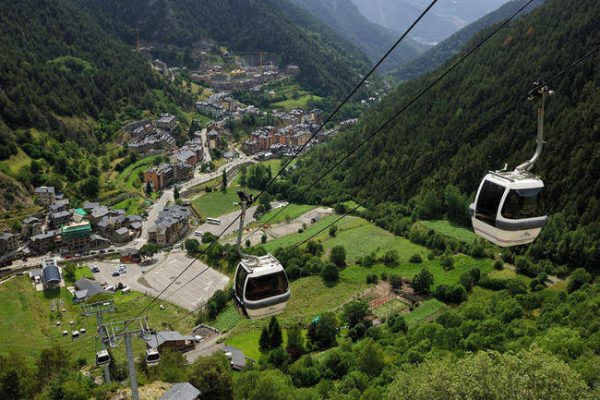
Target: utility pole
99 309
116 331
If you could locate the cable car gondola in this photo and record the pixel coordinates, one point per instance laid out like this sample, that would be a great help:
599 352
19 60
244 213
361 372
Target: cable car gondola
102 358
509 206
152 357
261 285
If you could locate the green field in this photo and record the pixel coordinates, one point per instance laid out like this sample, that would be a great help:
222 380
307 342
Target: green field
295 97
215 204
291 212
227 319
127 178
450 229
429 310
27 324
390 308
132 205
15 162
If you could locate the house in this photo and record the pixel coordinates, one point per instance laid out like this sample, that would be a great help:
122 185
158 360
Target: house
76 236
79 214
170 339
8 242
121 235
43 242
59 205
181 391
98 242
130 256
166 122
171 225
51 274
86 288
59 218
160 177
45 195
89 206
213 139
236 357
31 226
97 213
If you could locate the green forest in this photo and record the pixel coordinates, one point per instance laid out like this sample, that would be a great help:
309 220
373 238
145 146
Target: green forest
487 83
329 64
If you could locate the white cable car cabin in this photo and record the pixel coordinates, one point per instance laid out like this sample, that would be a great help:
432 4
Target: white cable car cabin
261 286
152 357
102 358
509 206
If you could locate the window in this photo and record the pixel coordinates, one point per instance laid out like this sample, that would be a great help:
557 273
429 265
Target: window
240 279
489 202
524 203
266 286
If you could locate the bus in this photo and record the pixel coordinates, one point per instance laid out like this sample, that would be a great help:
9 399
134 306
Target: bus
213 221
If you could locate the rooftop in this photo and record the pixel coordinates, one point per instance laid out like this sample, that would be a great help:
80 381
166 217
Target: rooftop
157 339
181 391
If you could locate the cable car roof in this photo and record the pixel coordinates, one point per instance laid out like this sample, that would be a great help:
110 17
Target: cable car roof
266 265
515 180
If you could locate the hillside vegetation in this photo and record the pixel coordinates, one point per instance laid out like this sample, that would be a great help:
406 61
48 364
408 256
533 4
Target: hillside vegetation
374 40
487 83
328 63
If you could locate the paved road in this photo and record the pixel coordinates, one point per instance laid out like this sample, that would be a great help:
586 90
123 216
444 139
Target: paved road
200 178
225 221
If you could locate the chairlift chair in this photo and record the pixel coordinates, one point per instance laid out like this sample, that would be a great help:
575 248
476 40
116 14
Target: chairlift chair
261 284
509 206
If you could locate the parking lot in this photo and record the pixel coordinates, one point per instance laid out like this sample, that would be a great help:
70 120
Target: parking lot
190 290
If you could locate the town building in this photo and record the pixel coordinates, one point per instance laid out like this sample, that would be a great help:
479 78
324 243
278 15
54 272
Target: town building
86 288
182 391
8 242
57 219
45 195
76 236
130 256
160 177
31 226
43 242
121 235
166 122
172 340
171 225
51 277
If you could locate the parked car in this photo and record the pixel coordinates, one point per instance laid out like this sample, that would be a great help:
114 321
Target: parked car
116 273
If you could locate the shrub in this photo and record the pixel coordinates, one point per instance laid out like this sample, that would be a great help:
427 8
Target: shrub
330 273
333 230
397 323
416 259
338 256
422 282
447 263
578 278
451 293
498 265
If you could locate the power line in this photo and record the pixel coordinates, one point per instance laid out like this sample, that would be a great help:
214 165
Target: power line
390 121
339 107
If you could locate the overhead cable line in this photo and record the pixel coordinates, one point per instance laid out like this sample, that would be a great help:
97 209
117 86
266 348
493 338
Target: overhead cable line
301 149
390 121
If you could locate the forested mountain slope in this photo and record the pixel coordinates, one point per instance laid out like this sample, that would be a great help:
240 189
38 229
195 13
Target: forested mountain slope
57 64
65 87
538 45
441 53
327 61
374 40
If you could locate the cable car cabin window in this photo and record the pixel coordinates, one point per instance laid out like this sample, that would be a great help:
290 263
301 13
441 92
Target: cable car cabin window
239 283
489 202
524 203
266 286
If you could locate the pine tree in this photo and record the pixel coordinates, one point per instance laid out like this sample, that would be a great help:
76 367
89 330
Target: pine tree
224 188
275 336
264 342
